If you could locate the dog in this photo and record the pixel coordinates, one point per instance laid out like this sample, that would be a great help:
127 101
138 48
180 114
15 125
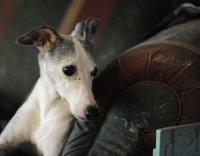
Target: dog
42 124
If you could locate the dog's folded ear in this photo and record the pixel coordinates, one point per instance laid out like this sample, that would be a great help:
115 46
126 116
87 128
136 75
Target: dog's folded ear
86 29
43 37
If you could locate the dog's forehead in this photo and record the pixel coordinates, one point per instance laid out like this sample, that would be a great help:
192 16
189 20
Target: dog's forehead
67 47
63 49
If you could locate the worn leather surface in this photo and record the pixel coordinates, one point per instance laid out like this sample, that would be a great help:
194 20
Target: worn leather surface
141 106
82 137
163 72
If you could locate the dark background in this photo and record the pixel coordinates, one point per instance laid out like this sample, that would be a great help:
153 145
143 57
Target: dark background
124 24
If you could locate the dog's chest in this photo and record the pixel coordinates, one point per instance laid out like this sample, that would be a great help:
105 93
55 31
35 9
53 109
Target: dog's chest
54 128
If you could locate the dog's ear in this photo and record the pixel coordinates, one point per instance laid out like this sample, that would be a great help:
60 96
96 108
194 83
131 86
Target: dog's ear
43 37
86 29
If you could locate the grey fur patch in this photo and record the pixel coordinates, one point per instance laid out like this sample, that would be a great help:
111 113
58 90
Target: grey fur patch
66 48
63 49
87 46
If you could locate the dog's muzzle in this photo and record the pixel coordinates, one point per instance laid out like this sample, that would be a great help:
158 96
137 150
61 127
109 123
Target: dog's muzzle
91 112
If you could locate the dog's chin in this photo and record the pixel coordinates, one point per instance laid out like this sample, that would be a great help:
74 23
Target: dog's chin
81 118
77 117
65 101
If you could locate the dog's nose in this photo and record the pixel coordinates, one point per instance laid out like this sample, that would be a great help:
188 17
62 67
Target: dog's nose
91 112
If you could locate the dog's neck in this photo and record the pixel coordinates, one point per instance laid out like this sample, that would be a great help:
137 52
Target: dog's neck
43 93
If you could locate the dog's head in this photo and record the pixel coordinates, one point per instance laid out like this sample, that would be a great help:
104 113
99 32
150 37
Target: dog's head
66 62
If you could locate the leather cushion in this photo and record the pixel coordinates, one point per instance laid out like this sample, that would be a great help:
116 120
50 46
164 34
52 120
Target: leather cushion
163 71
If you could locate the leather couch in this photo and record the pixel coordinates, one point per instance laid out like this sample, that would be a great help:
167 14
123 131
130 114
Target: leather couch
153 85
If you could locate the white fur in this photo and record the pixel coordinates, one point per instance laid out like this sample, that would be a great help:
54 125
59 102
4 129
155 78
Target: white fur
44 119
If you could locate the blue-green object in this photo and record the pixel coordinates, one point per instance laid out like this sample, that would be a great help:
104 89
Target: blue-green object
178 141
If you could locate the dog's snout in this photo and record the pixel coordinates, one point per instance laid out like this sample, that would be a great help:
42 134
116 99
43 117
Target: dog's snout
91 112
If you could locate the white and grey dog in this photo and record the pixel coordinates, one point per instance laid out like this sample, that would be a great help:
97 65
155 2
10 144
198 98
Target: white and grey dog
42 124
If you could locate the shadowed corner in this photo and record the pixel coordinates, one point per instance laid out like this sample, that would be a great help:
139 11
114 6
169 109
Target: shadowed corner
24 149
8 109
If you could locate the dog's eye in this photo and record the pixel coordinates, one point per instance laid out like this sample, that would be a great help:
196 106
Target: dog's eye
94 72
69 70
